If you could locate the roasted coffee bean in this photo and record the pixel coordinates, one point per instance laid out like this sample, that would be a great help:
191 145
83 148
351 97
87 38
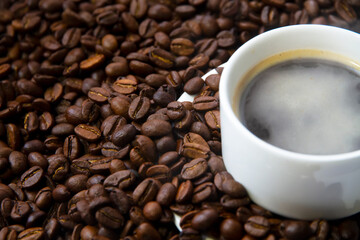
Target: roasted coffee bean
321 228
146 191
204 219
31 177
166 194
295 229
345 11
46 121
257 226
162 58
159 172
117 69
231 229
87 132
125 86
76 183
156 128
7 233
182 46
62 129
204 191
194 169
123 135
20 211
122 179
139 107
110 218
72 147
58 167
17 162
205 103
193 85
184 192
35 233
233 188
152 211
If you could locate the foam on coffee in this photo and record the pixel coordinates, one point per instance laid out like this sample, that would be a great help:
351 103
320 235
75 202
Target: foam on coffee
306 105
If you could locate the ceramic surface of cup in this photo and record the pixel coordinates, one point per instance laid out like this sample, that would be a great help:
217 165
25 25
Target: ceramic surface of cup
292 184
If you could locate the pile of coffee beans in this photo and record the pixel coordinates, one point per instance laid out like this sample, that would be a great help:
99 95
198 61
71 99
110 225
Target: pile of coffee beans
94 145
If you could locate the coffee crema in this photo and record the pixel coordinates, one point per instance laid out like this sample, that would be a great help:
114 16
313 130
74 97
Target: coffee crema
303 101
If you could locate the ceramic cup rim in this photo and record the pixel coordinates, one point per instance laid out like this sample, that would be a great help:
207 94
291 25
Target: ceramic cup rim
226 102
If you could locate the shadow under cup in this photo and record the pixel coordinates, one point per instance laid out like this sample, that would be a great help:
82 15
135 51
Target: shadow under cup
291 184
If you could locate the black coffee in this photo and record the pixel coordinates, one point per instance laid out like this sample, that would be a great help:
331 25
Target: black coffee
305 105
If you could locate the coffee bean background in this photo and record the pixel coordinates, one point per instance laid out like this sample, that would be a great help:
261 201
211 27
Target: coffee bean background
94 145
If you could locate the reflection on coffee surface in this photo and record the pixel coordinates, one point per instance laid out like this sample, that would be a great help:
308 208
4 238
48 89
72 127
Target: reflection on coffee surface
305 105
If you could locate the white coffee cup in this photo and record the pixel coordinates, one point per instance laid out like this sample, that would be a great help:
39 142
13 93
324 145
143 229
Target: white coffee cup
291 184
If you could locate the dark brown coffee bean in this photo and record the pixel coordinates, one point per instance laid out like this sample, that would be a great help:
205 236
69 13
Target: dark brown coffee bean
146 191
194 169
220 178
35 233
37 159
110 218
212 119
20 211
148 28
175 110
193 85
125 86
321 228
122 179
43 198
145 231
117 69
72 147
61 193
257 226
204 219
345 11
205 103
46 121
87 132
62 129
162 58
155 80
8 234
231 229
71 37
58 167
13 136
31 177
92 62
76 183
5 191
182 46
152 211
31 122
109 149
98 94
184 192
141 68
174 79
166 194
295 229
17 161
156 128
158 172
138 8
203 192
124 135
139 107
164 95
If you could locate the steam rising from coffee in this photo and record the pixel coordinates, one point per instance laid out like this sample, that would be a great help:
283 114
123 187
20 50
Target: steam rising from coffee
306 105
